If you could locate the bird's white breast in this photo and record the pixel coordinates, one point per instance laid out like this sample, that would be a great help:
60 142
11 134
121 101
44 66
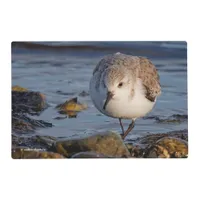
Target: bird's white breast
122 106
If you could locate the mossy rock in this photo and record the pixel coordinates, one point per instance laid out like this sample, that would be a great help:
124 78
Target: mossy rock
108 144
167 147
23 153
72 106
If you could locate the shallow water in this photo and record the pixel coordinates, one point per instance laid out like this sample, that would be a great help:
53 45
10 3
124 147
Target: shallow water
62 70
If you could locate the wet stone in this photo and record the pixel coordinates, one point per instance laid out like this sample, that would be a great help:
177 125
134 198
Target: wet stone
19 89
34 142
84 94
28 102
108 144
25 153
21 123
71 105
168 147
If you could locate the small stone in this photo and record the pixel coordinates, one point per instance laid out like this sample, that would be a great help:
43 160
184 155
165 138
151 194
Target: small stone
71 105
84 94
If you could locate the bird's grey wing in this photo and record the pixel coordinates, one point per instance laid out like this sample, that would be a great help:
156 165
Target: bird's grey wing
150 78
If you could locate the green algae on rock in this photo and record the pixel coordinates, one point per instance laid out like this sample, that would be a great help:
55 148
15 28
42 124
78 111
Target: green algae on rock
167 147
24 153
108 144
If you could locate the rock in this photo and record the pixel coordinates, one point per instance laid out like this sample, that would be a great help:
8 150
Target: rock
135 150
47 141
109 144
152 138
88 154
147 146
20 125
23 124
84 94
28 102
71 106
167 147
34 142
19 89
24 153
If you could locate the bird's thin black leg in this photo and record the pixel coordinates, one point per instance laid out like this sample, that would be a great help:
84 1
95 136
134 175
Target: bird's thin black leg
131 126
120 121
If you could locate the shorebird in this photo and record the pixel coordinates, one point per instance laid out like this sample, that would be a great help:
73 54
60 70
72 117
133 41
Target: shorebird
125 87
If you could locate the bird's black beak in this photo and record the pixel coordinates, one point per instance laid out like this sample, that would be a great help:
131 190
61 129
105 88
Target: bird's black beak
109 97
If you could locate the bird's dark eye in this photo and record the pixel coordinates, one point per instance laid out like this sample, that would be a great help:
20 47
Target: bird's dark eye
120 85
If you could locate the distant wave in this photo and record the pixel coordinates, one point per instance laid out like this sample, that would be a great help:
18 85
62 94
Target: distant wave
165 48
63 46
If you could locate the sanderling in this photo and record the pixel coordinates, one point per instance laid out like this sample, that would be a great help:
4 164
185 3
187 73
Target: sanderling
125 87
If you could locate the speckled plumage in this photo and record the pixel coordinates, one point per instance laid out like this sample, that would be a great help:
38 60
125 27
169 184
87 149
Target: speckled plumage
140 67
132 83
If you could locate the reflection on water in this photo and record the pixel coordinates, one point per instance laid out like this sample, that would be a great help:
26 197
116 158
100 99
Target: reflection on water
62 71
